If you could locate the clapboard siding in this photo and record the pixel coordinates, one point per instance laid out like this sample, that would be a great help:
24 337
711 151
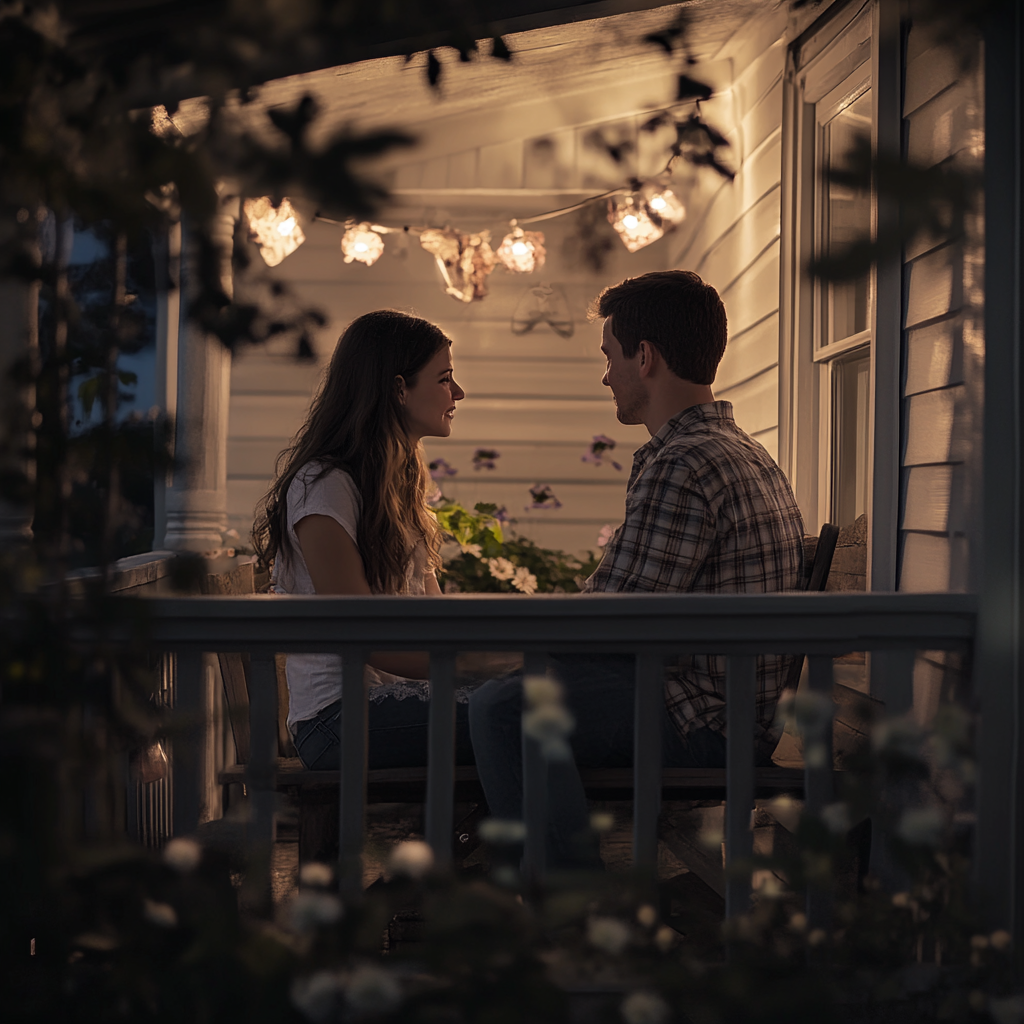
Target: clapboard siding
942 308
756 402
749 353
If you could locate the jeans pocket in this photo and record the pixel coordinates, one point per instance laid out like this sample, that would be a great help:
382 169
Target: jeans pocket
317 746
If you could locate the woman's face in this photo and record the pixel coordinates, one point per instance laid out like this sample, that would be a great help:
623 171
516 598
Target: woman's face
430 403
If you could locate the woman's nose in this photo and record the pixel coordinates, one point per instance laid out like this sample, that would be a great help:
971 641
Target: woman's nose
457 393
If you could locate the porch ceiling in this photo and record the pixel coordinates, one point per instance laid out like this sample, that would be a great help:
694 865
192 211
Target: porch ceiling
591 58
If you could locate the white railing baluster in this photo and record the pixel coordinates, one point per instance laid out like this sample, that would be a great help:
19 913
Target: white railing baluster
260 775
740 691
441 756
649 697
535 787
186 750
818 790
352 795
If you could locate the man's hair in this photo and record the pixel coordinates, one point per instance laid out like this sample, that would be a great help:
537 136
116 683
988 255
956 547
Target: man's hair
674 310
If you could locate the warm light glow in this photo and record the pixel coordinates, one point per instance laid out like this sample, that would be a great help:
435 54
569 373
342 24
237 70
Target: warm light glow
629 217
276 229
362 244
664 206
522 252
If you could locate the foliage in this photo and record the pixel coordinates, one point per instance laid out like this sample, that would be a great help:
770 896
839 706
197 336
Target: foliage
487 561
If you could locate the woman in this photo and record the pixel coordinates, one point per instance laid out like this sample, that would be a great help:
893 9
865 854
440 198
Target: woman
348 514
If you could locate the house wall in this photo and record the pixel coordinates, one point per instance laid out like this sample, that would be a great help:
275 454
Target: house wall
943 334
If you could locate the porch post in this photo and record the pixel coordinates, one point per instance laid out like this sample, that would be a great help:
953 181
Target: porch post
196 495
997 668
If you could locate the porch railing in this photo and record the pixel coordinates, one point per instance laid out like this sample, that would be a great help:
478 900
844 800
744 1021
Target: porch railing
893 627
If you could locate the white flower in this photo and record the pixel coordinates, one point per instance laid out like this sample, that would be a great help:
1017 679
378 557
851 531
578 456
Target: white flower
836 818
317 995
524 581
644 1008
309 910
1007 1011
183 854
163 915
372 990
502 831
542 690
921 826
608 934
501 568
316 874
412 858
549 724
472 549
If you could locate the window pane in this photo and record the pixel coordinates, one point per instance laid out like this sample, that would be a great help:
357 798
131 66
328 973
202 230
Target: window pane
850 404
848 217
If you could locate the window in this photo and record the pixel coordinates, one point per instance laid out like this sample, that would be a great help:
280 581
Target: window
831 336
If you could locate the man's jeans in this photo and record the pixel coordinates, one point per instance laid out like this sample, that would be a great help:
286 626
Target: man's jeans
397 735
599 692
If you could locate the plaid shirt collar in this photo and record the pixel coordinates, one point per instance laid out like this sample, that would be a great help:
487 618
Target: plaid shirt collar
680 424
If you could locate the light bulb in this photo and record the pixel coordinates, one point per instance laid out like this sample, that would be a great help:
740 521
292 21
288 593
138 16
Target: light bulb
520 248
276 229
630 221
362 244
360 247
521 251
658 203
664 205
633 223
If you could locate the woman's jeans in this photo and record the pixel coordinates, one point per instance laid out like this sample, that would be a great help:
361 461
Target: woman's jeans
397 735
599 693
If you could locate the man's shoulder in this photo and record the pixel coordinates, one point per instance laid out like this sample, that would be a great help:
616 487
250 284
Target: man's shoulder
713 448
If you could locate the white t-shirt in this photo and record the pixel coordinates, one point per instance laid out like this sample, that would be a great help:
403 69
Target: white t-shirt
314 680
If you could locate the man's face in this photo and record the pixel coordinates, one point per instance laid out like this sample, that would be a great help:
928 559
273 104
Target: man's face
623 377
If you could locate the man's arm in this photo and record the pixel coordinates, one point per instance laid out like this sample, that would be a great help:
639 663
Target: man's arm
665 538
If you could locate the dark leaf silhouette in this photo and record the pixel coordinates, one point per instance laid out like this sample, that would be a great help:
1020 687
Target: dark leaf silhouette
690 89
654 123
295 122
433 69
666 40
499 49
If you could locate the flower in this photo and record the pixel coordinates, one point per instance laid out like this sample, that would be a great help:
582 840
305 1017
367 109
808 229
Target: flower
440 468
183 854
501 514
608 934
485 458
163 915
549 724
602 821
542 690
921 826
413 858
647 916
471 549
664 938
606 534
501 568
543 497
315 874
524 581
317 994
644 1008
502 831
372 989
310 910
595 453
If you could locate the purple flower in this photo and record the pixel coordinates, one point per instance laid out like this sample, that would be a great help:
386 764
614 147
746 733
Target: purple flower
599 447
501 514
543 497
439 469
485 458
606 534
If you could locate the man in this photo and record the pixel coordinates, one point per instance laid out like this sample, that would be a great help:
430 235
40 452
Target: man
707 511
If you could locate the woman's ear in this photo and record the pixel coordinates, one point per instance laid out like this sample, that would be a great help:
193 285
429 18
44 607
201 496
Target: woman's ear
400 385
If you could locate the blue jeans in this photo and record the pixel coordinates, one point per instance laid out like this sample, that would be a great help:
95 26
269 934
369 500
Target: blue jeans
397 735
599 692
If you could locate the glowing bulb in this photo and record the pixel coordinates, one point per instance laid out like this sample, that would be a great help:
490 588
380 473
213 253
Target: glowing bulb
630 221
276 229
362 244
521 251
658 203
664 206
633 223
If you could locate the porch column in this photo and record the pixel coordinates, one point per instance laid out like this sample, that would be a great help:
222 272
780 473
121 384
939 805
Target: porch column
197 490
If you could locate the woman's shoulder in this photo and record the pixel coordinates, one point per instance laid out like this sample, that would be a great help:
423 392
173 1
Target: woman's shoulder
318 481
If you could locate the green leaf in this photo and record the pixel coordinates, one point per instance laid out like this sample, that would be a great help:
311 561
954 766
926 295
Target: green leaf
88 392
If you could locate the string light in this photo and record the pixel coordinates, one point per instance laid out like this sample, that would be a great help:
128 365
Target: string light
629 216
522 252
276 229
663 205
362 243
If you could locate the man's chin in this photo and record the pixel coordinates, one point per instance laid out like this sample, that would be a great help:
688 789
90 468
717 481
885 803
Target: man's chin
629 417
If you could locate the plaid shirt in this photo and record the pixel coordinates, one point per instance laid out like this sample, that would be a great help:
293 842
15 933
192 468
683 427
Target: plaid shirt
708 511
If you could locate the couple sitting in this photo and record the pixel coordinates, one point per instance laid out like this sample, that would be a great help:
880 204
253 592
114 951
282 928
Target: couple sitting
707 511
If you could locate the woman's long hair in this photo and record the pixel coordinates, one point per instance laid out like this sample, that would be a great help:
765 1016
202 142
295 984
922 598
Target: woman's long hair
357 423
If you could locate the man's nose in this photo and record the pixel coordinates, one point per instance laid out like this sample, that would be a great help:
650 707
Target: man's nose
604 380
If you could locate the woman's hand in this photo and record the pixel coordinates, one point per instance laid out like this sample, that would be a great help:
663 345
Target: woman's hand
335 567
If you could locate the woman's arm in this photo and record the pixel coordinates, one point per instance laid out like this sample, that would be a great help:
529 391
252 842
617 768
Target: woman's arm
335 567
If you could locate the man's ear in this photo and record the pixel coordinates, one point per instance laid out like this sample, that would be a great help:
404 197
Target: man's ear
400 385
647 357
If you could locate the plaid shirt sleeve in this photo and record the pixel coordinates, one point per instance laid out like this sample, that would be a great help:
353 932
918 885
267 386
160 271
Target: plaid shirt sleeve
665 538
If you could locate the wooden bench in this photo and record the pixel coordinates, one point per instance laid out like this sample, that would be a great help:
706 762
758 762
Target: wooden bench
316 792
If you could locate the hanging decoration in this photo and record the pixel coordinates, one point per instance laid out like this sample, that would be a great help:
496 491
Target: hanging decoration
276 229
663 205
465 261
544 304
628 215
362 243
522 252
